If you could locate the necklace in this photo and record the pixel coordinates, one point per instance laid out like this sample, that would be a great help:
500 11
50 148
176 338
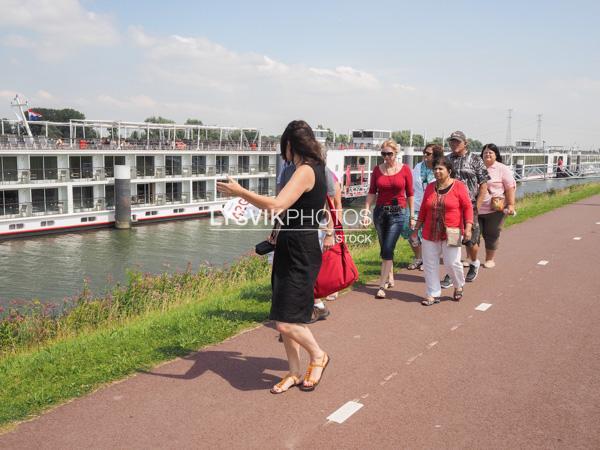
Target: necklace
443 185
388 168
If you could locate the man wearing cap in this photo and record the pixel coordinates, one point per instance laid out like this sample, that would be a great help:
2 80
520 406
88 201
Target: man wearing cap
470 169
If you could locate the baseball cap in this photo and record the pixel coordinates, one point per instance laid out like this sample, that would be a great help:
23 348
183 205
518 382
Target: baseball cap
459 136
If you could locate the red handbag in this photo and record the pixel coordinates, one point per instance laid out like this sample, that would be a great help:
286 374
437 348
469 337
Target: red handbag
338 271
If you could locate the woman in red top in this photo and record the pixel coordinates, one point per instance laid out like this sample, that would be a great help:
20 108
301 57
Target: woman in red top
446 208
392 191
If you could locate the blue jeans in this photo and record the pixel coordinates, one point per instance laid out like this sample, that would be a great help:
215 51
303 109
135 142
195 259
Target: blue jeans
389 226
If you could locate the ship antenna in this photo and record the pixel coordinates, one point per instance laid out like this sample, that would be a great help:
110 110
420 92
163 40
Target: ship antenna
508 130
538 136
18 105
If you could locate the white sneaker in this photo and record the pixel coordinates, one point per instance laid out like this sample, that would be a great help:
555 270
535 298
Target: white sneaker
489 264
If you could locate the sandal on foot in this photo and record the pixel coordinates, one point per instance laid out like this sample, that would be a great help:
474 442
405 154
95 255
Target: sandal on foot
380 293
458 294
332 297
415 264
430 301
388 284
307 378
280 388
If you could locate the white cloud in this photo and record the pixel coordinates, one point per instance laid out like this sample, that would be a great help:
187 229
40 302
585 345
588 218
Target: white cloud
404 87
347 75
200 63
45 95
54 27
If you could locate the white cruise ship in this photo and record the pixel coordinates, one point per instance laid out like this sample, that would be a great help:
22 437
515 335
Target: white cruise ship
50 184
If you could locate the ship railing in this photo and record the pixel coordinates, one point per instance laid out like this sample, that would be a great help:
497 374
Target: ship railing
10 210
356 190
10 176
175 198
47 208
203 196
90 204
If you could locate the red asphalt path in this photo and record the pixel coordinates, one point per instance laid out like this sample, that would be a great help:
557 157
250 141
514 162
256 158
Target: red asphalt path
525 373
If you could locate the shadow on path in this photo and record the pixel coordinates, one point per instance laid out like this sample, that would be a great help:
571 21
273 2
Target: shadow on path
244 373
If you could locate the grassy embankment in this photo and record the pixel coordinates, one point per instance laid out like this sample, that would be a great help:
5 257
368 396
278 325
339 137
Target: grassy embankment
46 360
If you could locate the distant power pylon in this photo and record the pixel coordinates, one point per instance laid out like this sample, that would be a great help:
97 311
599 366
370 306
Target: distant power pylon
538 136
508 131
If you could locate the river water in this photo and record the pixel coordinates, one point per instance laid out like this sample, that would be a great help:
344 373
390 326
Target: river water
51 268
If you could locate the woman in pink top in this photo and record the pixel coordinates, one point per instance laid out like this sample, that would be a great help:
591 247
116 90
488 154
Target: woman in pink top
499 201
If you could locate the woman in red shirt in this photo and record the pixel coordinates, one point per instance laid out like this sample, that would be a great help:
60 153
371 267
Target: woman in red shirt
446 214
392 191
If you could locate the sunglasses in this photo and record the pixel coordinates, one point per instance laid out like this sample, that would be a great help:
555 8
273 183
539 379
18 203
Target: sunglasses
428 153
384 154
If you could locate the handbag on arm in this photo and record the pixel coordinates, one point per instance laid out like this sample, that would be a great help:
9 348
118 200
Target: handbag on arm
338 270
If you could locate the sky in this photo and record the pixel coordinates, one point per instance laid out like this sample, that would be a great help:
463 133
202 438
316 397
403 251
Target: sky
429 66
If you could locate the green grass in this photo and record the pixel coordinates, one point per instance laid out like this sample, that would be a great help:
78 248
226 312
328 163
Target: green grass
46 360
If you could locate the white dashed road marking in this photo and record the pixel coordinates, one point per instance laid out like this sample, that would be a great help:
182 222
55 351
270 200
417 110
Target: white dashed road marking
342 414
483 307
432 344
543 262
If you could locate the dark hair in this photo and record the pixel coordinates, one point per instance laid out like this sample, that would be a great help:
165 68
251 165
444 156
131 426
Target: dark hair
302 142
444 161
494 148
437 150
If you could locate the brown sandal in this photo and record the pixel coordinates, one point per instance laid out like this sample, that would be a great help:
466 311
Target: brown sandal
458 295
278 388
324 361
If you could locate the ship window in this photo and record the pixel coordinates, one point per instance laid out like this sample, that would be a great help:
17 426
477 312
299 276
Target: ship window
144 166
44 200
173 192
109 164
43 167
198 165
173 165
84 219
263 163
81 166
83 197
109 195
243 164
92 219
154 213
222 163
9 202
8 169
148 213
199 190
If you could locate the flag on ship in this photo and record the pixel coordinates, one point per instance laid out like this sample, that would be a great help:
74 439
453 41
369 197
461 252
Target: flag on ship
33 115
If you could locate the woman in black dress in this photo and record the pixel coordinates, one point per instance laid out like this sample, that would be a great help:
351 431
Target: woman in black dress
297 257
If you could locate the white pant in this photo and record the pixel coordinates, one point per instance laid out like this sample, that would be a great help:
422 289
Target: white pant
432 250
